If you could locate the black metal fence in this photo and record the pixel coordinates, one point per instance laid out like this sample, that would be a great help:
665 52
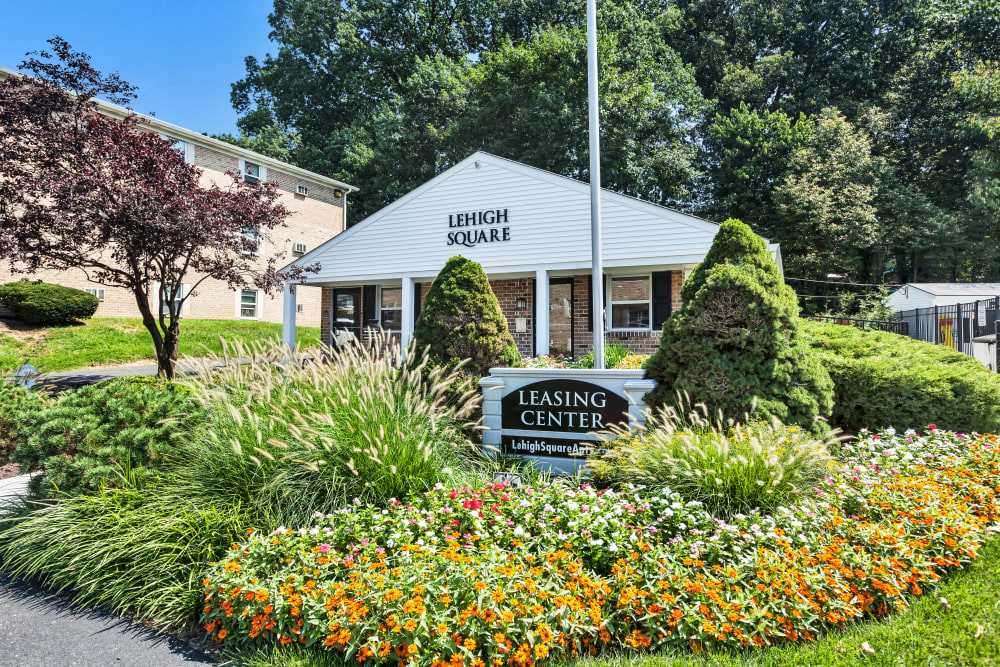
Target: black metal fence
876 325
955 325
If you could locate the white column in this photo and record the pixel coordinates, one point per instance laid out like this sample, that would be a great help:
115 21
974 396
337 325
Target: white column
288 318
541 312
408 314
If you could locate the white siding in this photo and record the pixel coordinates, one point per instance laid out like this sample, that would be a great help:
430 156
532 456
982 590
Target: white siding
548 216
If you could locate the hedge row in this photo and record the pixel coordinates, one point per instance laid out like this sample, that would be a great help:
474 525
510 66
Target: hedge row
884 379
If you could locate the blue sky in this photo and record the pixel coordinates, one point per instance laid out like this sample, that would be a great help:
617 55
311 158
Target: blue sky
182 54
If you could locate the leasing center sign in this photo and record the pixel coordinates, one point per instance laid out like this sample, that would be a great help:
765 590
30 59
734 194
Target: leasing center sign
557 415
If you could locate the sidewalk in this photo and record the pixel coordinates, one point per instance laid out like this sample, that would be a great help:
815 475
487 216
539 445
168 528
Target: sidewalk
39 628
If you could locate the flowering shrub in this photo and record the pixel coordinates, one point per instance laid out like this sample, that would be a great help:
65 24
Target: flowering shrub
522 576
548 361
633 361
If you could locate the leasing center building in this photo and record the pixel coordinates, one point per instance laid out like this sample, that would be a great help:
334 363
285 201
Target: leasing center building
530 231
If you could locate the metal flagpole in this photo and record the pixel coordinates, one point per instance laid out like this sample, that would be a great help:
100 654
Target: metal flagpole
597 279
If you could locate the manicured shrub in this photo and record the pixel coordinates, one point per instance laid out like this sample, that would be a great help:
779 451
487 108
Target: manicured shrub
461 319
738 469
19 410
735 344
884 379
541 575
43 303
106 433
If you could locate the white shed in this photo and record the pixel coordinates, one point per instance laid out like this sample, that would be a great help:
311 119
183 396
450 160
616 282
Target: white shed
928 295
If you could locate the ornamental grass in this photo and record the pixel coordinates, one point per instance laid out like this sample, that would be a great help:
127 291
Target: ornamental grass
729 467
520 577
294 435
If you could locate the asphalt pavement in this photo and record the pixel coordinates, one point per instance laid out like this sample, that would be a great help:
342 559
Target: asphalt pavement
40 628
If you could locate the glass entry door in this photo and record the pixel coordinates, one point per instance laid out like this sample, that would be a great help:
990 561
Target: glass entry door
346 324
561 316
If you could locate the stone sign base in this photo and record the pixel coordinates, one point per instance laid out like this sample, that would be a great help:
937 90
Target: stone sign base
552 417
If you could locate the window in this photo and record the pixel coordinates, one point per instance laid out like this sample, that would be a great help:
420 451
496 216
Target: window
391 316
252 234
248 304
251 172
299 249
630 303
301 189
96 291
168 296
299 308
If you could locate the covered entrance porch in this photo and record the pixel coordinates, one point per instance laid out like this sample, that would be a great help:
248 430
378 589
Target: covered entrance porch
548 312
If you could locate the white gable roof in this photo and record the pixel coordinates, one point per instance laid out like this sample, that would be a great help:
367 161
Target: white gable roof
548 216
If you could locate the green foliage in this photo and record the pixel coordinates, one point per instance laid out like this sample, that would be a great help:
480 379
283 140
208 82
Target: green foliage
883 379
869 305
614 354
461 319
729 469
292 440
102 434
42 303
19 415
734 345
123 550
510 79
752 149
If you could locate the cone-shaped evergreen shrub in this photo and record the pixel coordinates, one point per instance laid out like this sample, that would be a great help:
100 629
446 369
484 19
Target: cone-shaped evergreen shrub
735 344
461 319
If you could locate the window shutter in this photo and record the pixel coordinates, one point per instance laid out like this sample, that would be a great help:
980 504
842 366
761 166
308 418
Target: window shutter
416 301
368 305
590 303
590 300
661 298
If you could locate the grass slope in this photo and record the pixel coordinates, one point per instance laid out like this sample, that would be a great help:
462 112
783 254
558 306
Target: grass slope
927 634
106 342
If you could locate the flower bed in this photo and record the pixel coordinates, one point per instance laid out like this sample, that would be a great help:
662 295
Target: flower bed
521 576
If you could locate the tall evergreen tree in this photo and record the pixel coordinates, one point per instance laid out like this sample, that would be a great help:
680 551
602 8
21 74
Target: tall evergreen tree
734 344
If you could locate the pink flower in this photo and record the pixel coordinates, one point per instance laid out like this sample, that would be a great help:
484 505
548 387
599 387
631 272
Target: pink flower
324 548
932 426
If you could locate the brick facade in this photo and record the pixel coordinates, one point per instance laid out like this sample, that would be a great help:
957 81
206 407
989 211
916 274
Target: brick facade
315 218
508 291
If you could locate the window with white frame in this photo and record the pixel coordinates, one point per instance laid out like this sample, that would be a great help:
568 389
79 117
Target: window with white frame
95 291
249 304
391 308
170 295
252 234
631 302
251 172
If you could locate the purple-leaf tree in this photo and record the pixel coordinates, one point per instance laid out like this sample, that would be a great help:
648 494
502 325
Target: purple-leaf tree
86 189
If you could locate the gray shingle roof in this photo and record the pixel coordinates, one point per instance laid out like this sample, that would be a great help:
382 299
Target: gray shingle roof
959 289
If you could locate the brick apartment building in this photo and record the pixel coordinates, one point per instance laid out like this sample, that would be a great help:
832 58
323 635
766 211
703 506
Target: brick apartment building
530 230
318 208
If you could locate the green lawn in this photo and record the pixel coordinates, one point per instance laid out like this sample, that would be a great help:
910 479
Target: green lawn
105 342
926 634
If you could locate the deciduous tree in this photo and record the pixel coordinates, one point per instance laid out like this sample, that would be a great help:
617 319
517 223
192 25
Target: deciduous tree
85 189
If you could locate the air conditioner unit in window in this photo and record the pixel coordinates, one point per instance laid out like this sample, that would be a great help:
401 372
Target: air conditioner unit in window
302 189
299 249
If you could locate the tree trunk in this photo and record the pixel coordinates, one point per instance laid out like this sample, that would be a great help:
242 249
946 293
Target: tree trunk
167 357
164 360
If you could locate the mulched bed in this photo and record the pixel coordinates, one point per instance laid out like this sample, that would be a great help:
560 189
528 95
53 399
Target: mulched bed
8 470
